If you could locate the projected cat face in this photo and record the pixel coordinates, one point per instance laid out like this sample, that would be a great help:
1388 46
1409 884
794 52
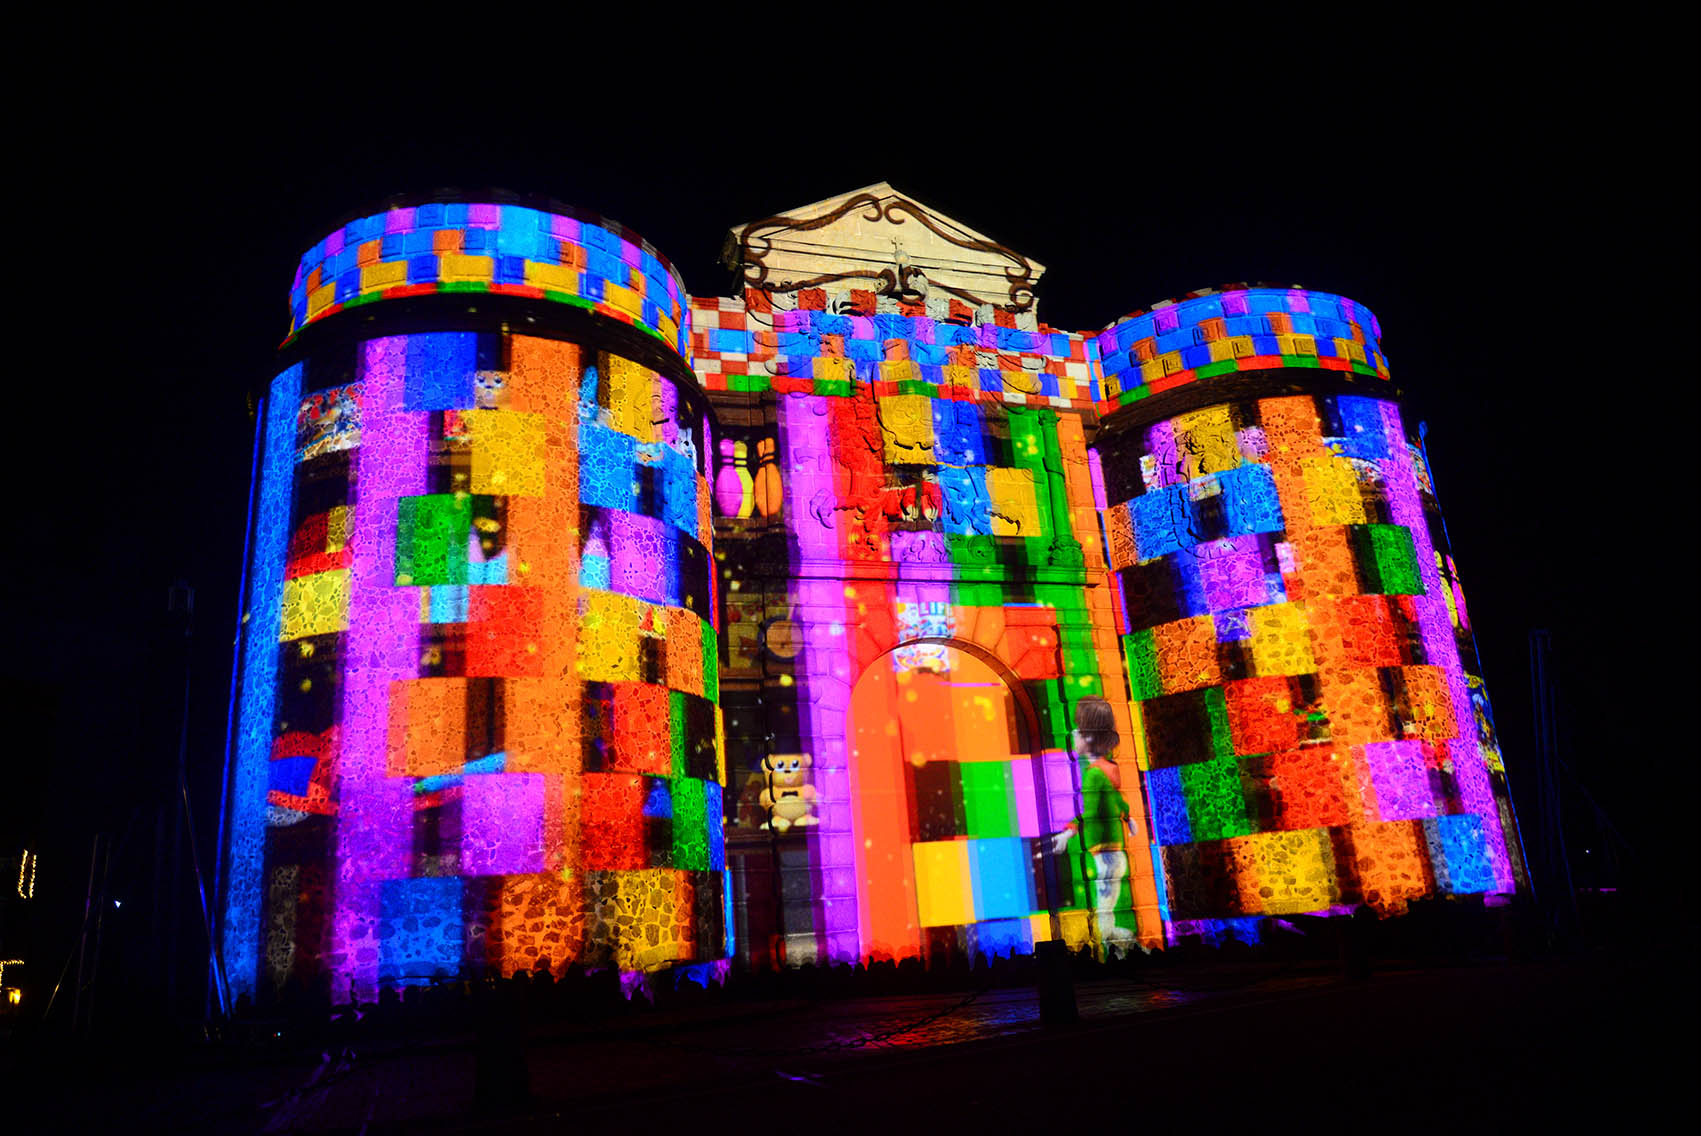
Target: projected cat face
490 390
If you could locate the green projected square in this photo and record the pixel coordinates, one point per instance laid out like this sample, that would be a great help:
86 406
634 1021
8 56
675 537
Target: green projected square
1216 801
1052 712
1027 446
1387 559
989 798
970 551
690 825
711 663
967 593
431 539
1396 560
1216 708
1144 678
677 732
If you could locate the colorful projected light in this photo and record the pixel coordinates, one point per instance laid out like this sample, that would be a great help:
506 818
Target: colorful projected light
481 718
565 255
478 724
1296 650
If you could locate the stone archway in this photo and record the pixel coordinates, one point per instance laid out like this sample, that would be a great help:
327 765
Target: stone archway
946 814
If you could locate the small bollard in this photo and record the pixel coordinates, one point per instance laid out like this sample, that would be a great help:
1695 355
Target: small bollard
1056 984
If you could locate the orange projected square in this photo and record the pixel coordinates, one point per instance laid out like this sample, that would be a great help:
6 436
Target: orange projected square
428 718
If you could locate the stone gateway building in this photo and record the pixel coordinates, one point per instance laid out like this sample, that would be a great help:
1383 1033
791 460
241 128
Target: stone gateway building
591 621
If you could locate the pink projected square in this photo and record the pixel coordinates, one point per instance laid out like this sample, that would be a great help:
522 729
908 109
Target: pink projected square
1232 573
1401 776
502 824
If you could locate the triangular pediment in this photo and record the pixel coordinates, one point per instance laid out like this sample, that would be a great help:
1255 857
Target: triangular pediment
878 238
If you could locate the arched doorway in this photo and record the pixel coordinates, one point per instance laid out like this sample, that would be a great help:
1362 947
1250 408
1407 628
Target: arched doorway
947 819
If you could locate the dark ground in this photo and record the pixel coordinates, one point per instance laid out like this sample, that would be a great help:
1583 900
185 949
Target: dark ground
1486 1045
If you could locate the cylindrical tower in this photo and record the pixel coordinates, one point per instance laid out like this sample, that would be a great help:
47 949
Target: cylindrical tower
1312 734
477 725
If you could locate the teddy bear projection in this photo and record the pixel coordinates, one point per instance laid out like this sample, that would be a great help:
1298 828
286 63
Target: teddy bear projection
788 796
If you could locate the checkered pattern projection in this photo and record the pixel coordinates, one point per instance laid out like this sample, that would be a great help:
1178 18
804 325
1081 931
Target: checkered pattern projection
1297 652
478 722
572 257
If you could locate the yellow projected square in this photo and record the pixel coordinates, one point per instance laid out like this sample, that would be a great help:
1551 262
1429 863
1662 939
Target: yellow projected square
1331 489
1076 929
1208 442
629 389
1285 873
455 267
554 277
906 425
1281 640
388 274
944 893
320 298
1015 512
336 529
315 605
833 368
622 297
608 637
507 452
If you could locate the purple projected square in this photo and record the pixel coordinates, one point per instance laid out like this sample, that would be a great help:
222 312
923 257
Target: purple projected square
377 818
839 882
839 914
1401 777
641 557
1232 626
502 824
918 547
1231 572
837 850
833 784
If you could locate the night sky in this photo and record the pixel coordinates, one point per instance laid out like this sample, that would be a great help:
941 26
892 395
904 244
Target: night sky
1481 220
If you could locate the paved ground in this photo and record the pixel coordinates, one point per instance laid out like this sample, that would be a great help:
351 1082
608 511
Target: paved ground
1470 1048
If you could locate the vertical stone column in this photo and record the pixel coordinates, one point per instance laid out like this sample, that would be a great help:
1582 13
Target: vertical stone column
1305 719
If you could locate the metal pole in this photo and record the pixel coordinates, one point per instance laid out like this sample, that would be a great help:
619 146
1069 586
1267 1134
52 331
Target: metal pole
83 940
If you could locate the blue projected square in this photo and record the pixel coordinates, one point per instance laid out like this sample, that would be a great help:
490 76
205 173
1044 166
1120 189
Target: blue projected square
1002 879
420 929
1250 503
717 836
606 458
448 603
1361 428
292 774
1155 521
1001 938
1458 850
1169 806
658 802
440 371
